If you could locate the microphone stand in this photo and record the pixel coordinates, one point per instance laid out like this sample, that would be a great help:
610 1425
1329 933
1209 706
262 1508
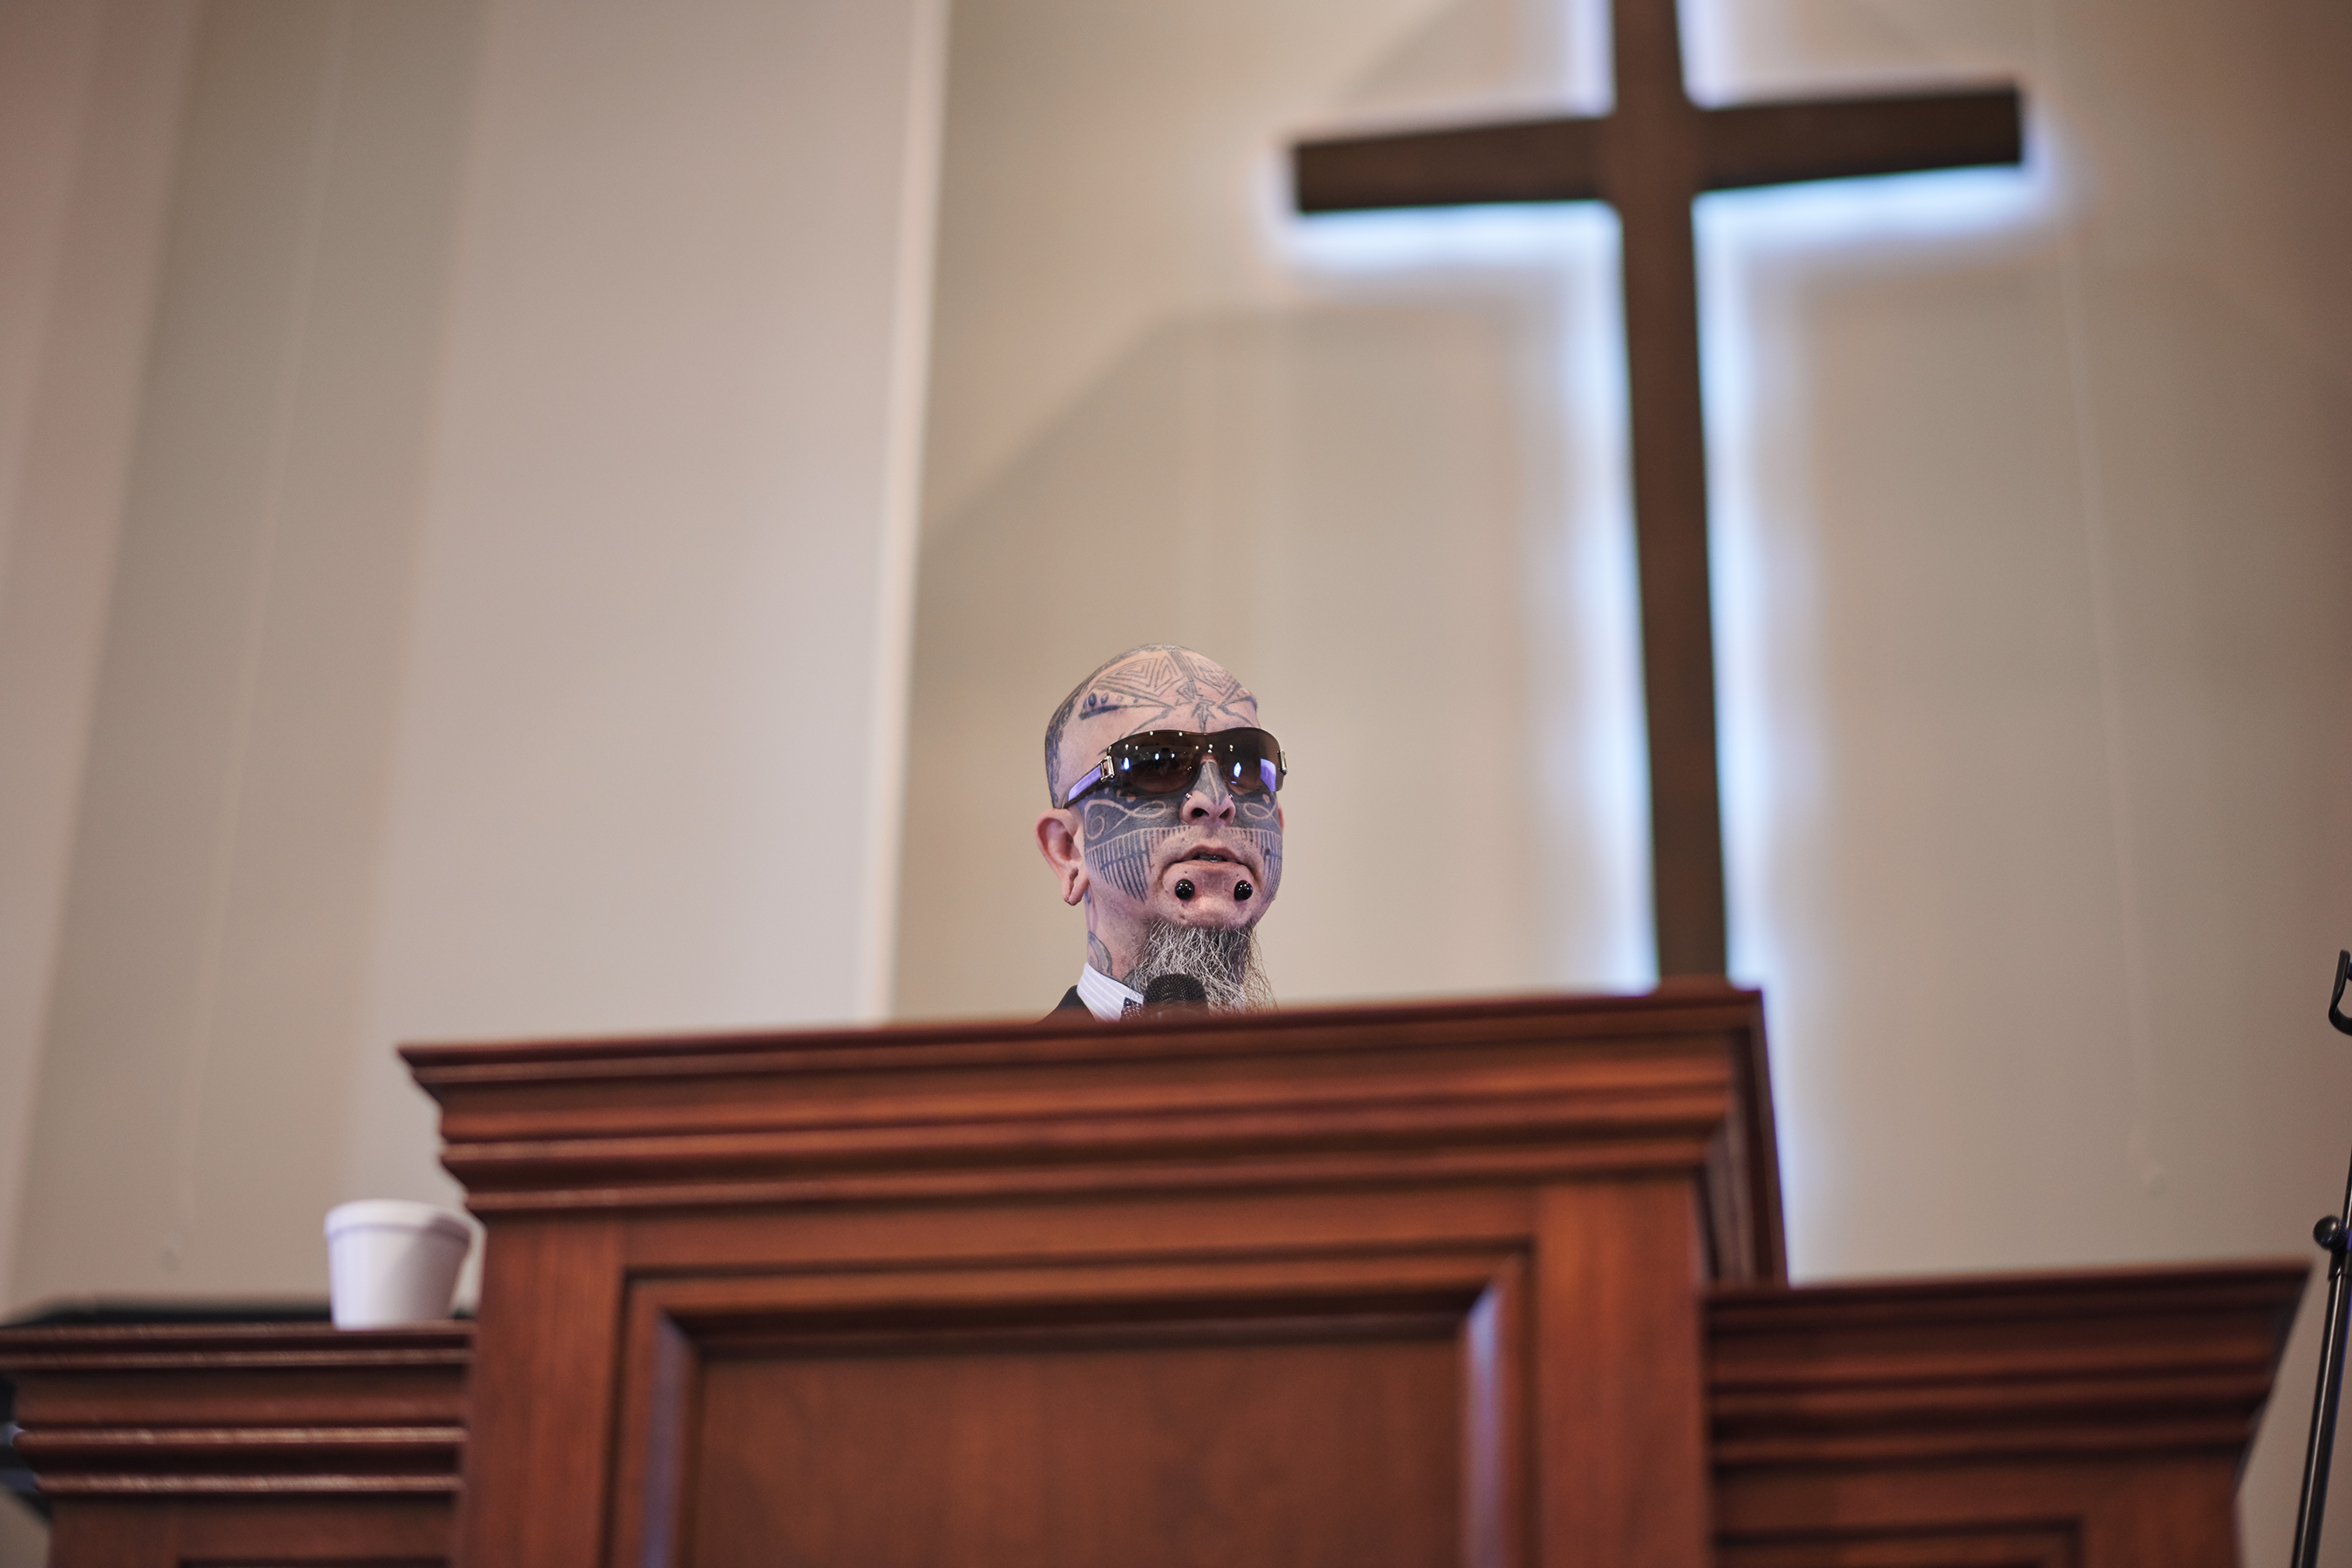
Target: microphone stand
2333 1234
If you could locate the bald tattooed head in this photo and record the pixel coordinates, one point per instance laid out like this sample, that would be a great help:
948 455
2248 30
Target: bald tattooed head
1189 873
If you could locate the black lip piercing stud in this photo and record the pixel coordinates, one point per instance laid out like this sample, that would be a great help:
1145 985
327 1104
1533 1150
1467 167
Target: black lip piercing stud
1242 891
1184 890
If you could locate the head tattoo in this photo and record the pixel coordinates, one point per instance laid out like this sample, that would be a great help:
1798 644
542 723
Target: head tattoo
1122 834
1171 687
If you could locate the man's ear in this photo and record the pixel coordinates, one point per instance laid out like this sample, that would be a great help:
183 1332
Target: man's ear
1057 840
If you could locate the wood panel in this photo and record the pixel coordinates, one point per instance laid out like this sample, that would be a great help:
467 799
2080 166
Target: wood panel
1512 1091
1425 1272
1135 1448
1297 1410
1948 1547
1494 1284
548 1334
1623 1437
158 1444
236 1532
2095 1419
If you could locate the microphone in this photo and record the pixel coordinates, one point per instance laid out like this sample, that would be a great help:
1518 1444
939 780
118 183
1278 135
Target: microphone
1174 991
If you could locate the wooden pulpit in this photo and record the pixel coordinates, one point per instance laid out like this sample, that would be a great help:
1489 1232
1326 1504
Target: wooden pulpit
1494 1283
1362 1288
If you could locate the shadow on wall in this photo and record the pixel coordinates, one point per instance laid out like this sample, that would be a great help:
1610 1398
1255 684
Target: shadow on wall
1348 508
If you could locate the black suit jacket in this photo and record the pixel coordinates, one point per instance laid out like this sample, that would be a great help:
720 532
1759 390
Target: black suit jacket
1069 1000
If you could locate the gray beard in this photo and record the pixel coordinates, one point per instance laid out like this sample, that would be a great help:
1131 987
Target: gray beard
1223 959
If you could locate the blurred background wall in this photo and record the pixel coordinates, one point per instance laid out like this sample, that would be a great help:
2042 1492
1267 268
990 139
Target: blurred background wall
458 464
2033 527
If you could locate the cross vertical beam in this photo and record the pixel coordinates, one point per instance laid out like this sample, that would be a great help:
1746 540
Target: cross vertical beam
1649 158
1650 167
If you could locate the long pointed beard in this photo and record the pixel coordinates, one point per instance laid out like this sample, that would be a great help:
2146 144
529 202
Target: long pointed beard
1223 959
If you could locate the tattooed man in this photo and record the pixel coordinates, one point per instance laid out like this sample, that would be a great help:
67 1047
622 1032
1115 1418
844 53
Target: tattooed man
1165 824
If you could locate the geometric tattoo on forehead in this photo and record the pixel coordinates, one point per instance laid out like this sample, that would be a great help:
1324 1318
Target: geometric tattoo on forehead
1155 687
1166 682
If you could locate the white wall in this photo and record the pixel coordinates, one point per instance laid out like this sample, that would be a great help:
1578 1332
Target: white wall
507 632
1162 413
2039 841
88 112
2031 520
647 758
89 99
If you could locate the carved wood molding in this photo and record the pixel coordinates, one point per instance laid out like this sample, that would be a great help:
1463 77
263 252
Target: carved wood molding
1474 1092
2039 1422
240 1409
2053 1546
1473 1300
2078 1365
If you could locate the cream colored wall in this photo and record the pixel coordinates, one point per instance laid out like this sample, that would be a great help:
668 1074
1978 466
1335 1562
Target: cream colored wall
89 98
520 482
1157 417
2031 545
2042 843
215 928
648 752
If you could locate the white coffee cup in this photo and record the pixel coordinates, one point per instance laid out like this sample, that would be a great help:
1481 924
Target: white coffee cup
390 1261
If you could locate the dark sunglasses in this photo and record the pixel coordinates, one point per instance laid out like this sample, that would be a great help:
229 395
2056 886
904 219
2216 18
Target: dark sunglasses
1166 762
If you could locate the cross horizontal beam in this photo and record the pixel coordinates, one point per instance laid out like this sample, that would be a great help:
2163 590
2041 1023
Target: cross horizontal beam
1565 159
1648 158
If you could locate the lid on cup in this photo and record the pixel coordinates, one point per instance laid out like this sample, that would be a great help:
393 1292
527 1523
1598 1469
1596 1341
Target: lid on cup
396 1214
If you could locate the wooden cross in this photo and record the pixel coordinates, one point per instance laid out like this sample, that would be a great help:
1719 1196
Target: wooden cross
1648 159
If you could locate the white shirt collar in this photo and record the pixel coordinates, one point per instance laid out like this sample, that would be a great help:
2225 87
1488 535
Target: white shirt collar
1106 998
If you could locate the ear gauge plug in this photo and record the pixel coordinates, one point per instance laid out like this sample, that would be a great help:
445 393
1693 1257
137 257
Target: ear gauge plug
1184 890
1242 891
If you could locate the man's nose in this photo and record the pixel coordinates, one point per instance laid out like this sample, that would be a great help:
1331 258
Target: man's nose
1208 800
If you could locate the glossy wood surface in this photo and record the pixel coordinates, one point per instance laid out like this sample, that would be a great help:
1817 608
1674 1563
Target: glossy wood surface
954 1116
1124 1446
1494 1284
276 1443
1409 1284
2091 1420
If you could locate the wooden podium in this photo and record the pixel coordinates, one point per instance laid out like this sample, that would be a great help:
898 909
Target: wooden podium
1495 1284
